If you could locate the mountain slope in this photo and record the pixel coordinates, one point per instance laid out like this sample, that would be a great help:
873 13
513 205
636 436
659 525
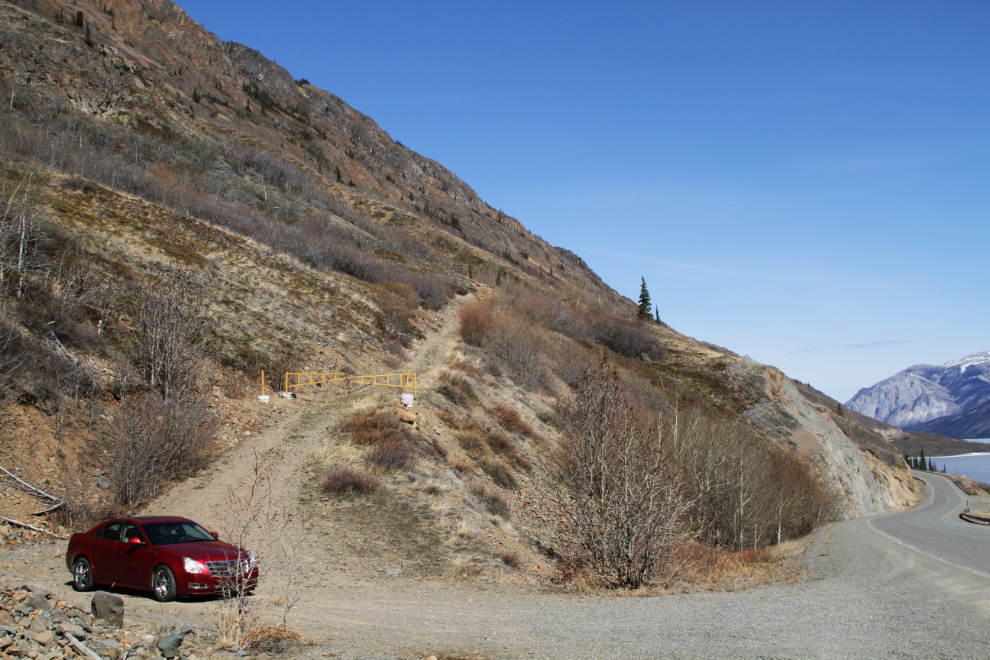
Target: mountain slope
923 393
319 243
974 423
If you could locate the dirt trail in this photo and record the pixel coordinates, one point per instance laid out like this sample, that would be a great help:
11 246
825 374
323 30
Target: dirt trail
302 428
330 558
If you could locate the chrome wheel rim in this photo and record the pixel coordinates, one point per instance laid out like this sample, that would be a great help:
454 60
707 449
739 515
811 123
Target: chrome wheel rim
82 574
161 584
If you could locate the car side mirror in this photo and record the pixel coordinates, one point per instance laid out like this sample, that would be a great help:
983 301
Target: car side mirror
136 541
215 535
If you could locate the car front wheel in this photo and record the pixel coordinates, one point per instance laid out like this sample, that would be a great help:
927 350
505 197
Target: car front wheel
82 575
163 584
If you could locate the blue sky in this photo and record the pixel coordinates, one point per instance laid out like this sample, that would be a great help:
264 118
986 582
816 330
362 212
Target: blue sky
806 183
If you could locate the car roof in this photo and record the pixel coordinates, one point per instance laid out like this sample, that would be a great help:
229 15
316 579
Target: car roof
155 519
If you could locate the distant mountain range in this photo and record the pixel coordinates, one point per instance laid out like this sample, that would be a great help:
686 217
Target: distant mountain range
951 399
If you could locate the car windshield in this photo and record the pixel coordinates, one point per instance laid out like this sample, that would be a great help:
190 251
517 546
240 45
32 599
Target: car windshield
170 533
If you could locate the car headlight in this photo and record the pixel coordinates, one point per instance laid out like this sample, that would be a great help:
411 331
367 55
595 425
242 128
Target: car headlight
192 566
250 560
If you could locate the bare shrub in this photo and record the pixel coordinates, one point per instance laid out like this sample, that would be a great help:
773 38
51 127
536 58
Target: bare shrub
510 558
631 514
492 501
504 446
348 481
168 333
150 442
462 466
746 494
374 427
472 442
255 522
493 368
477 319
397 305
438 447
548 418
499 472
271 639
467 368
456 389
510 420
389 455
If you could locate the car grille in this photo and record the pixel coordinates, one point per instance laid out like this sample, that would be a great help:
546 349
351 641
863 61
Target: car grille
226 568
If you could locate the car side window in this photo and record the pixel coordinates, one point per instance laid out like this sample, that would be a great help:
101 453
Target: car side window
130 532
111 532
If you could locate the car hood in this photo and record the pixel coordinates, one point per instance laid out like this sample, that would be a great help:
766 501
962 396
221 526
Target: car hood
204 550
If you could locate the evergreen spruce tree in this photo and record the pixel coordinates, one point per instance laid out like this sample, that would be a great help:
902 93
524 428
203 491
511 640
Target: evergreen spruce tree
922 463
644 303
931 465
498 277
839 410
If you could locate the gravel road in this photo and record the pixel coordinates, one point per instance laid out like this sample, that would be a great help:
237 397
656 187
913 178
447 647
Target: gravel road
869 595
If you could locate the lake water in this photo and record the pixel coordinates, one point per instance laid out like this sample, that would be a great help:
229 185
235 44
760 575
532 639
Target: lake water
974 466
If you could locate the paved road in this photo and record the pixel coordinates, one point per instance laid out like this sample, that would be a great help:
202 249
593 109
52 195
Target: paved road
933 528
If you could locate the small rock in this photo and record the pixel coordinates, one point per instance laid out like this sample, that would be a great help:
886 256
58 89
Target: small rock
393 571
37 589
71 629
46 638
108 607
102 483
169 646
37 626
407 416
39 602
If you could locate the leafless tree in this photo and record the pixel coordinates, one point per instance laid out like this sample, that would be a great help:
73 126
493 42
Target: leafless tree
631 513
168 334
150 442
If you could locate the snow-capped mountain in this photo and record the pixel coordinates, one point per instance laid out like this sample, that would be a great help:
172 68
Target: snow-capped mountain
924 392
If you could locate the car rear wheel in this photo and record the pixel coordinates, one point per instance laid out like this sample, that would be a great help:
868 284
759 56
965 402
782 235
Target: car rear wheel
82 575
163 584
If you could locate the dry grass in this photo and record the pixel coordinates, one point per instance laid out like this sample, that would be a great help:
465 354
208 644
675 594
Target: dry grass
510 420
389 455
457 389
374 427
348 481
700 568
499 471
271 639
491 500
467 368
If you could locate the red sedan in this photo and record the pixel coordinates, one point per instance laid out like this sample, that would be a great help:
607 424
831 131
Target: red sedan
170 556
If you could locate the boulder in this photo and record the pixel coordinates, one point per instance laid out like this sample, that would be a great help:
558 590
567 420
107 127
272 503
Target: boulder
169 646
407 416
108 607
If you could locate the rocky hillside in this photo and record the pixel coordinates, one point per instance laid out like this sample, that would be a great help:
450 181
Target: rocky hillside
946 399
145 160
